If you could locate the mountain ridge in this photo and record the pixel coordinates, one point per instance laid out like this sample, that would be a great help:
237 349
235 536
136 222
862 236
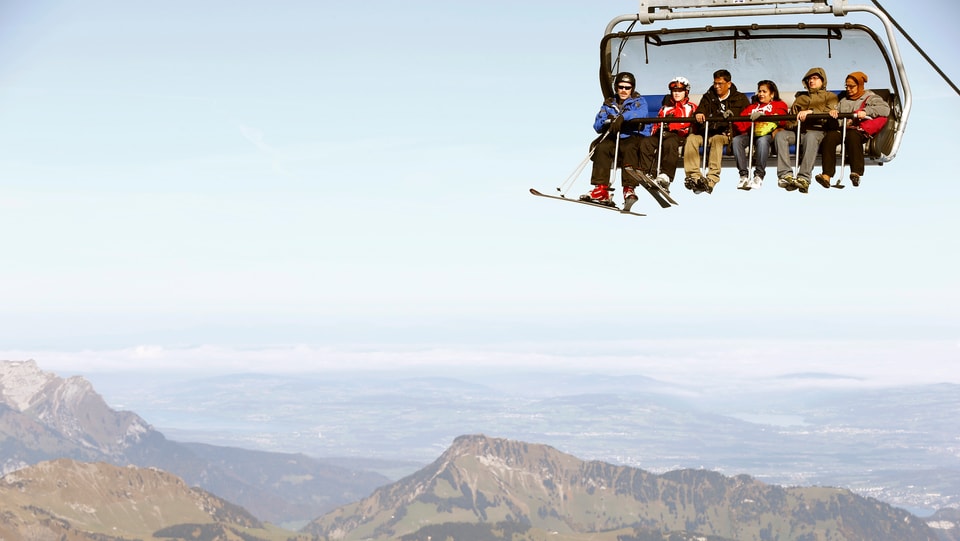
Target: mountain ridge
480 479
69 500
44 417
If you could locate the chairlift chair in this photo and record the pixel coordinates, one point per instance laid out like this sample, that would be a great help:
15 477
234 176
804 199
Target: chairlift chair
783 50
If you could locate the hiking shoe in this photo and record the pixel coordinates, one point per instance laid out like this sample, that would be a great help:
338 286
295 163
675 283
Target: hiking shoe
664 182
744 183
629 194
692 184
708 184
855 179
802 184
757 182
823 180
786 182
703 186
599 194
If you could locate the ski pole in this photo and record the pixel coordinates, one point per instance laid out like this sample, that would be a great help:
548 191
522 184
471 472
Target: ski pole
568 183
750 159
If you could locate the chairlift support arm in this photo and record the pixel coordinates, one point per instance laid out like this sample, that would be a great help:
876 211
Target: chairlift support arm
664 10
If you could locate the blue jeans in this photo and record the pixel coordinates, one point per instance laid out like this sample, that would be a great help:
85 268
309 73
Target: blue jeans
761 152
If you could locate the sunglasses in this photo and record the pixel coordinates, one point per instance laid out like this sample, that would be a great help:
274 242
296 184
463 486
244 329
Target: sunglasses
624 87
850 86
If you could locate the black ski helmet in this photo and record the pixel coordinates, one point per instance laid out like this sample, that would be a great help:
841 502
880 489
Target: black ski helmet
625 77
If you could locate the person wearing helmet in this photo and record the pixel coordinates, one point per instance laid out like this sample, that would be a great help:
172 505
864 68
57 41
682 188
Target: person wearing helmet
720 102
620 134
815 100
671 137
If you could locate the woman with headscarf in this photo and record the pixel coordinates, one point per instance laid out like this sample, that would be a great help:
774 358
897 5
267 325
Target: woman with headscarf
863 104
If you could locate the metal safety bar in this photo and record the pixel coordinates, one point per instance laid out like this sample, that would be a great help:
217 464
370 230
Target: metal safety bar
764 118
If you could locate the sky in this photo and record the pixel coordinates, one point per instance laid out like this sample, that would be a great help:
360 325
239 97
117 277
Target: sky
299 186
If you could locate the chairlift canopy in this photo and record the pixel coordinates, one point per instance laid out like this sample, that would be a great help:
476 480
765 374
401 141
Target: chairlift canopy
751 53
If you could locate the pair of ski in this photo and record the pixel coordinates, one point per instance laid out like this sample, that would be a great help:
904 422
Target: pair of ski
661 196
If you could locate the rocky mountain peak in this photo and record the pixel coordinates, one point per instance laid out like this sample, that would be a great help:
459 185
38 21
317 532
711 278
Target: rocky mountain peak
509 458
49 416
481 445
22 383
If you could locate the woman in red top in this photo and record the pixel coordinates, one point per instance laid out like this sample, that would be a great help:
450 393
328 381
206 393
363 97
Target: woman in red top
766 102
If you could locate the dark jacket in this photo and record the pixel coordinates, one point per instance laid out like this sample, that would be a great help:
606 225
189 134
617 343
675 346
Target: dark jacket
711 106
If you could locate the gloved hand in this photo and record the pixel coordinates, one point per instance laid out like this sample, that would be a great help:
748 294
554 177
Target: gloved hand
755 114
616 123
728 113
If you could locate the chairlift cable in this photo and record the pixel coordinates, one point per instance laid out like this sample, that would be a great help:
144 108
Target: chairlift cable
917 47
623 43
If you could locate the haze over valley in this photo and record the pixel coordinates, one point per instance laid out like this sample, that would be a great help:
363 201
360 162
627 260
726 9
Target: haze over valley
897 443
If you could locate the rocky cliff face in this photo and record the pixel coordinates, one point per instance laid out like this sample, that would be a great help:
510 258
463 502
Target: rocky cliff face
488 480
44 417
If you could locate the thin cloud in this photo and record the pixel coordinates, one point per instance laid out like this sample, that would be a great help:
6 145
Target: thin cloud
707 363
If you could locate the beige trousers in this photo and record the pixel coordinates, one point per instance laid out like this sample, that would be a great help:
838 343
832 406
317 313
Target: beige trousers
692 160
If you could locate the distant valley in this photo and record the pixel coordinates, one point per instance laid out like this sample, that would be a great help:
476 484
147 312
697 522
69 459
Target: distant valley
480 489
394 422
899 445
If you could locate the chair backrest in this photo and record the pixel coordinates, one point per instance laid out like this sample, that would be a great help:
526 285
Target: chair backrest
882 143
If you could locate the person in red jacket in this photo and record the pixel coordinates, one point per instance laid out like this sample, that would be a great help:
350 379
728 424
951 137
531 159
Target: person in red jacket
674 135
765 102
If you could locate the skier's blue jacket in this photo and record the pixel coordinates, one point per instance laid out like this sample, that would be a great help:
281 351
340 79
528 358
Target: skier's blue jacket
632 108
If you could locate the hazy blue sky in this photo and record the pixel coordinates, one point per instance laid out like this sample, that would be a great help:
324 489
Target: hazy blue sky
223 184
